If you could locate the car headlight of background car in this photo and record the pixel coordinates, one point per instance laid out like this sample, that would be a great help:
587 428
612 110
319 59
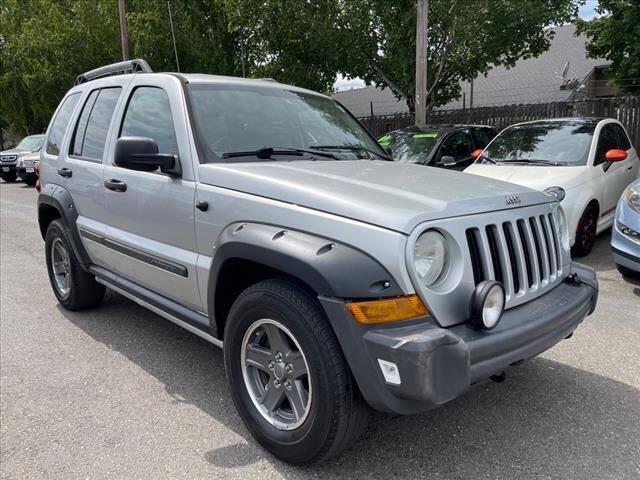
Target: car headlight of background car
631 197
431 258
562 230
557 192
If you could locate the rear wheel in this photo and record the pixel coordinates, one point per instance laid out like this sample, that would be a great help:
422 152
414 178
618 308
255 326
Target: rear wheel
586 232
288 377
9 177
74 288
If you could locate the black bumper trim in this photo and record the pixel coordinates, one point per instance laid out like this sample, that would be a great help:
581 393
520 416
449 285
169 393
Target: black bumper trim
438 364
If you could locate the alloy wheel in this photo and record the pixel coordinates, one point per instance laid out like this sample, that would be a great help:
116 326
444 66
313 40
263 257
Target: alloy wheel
276 374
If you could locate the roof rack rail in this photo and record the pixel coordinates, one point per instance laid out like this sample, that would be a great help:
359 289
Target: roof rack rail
129 66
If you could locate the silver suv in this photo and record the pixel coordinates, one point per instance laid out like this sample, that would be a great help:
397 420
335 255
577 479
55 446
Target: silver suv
263 217
20 161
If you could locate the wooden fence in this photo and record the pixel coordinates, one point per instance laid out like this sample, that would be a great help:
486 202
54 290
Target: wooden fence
625 109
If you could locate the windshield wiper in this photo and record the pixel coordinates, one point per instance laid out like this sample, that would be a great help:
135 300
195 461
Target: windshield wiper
354 148
266 153
532 161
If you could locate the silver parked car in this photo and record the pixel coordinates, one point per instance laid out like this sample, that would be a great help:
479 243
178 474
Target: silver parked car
625 237
265 219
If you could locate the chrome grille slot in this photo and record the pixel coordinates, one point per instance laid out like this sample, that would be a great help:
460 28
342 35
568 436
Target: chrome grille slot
522 253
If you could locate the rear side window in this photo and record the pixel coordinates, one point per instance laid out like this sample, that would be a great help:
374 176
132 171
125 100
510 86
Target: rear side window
149 115
59 125
91 132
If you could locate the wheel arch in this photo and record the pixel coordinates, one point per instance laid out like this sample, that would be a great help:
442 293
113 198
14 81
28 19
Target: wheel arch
55 202
246 253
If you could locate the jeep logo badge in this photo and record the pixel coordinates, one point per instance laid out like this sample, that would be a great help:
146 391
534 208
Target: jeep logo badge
511 200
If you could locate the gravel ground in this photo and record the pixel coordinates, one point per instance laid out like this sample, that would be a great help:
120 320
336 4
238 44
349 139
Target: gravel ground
119 392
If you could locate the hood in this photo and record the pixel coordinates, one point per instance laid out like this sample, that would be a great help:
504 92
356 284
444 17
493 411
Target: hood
15 151
387 194
536 177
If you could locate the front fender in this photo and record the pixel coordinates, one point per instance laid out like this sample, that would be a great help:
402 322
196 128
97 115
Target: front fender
330 268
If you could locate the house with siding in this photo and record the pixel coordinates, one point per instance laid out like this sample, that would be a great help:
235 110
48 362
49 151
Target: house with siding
562 73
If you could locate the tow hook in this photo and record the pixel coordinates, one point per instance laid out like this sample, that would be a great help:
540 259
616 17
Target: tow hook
499 378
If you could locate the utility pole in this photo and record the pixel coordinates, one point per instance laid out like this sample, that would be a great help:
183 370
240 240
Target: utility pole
124 37
422 26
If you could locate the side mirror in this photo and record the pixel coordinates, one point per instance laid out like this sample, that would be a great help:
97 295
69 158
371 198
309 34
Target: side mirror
616 155
447 161
141 153
476 153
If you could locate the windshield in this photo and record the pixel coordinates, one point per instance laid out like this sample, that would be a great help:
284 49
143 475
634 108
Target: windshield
32 142
239 119
554 143
413 147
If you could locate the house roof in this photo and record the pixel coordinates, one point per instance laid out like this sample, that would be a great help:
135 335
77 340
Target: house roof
534 80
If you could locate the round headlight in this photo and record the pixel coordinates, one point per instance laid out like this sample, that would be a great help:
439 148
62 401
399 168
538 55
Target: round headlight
487 305
431 257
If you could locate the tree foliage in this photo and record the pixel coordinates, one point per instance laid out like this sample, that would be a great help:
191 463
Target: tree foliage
616 37
44 44
465 38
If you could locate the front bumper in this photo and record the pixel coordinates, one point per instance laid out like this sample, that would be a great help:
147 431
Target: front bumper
26 172
439 364
7 168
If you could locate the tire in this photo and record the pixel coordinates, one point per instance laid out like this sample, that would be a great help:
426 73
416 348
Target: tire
31 181
9 177
79 289
586 232
627 272
335 415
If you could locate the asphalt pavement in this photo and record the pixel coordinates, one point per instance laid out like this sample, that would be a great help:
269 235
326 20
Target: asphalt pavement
119 392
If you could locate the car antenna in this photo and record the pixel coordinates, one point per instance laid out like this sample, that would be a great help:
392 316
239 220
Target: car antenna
173 36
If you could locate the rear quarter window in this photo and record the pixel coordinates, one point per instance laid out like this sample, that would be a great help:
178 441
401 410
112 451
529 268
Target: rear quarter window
59 124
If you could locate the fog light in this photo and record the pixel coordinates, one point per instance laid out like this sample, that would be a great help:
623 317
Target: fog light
487 305
390 372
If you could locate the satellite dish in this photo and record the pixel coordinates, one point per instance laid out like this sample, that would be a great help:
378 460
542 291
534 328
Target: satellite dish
565 69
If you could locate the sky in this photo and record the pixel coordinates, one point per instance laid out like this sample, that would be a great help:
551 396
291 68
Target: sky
586 12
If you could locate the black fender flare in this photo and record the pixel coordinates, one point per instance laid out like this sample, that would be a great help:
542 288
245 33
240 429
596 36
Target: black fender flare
59 198
330 268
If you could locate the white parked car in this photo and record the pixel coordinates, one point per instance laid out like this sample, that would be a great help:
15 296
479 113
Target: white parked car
586 163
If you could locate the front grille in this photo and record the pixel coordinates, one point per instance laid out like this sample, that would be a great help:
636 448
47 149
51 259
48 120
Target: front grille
521 253
8 158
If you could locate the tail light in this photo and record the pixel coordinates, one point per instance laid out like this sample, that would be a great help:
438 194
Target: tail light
37 170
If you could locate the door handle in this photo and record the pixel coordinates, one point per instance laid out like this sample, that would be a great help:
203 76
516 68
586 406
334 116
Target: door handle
115 185
65 172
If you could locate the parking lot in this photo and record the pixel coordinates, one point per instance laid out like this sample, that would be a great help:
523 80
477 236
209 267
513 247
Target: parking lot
119 392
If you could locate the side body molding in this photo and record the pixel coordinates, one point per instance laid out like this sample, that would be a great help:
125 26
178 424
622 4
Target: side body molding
59 198
330 268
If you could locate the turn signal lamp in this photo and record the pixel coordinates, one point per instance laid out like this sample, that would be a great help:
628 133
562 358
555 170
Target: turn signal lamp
388 310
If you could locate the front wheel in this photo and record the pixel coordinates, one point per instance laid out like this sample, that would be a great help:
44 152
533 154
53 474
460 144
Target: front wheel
627 272
586 233
287 374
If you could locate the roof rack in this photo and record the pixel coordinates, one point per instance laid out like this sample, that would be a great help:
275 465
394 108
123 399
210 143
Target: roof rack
129 66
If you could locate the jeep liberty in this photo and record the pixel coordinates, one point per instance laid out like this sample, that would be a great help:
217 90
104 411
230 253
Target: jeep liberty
265 219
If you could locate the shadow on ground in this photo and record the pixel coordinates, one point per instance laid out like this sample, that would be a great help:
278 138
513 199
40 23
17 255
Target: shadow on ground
536 424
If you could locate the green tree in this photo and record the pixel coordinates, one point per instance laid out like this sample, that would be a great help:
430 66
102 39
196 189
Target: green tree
616 37
465 38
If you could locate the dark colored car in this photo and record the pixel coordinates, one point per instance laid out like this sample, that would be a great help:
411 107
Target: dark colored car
446 146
